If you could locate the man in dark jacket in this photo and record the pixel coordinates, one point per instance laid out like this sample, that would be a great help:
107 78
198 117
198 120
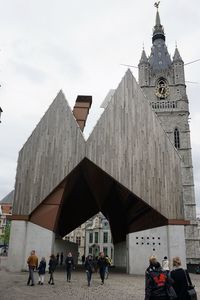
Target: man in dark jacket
69 262
156 281
102 263
89 268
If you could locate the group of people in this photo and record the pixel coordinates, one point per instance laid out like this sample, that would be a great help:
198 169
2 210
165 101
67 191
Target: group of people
160 282
163 284
90 264
102 263
32 262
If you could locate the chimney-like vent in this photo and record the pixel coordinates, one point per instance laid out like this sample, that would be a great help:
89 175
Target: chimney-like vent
81 109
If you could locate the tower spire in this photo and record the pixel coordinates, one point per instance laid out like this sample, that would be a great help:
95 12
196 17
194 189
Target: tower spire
159 59
158 31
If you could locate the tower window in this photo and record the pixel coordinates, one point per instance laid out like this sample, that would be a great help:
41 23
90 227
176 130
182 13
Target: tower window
176 138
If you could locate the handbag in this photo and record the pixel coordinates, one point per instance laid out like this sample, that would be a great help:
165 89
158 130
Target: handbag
192 295
171 292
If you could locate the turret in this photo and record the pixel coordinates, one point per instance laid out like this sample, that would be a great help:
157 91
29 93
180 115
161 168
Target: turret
178 65
144 70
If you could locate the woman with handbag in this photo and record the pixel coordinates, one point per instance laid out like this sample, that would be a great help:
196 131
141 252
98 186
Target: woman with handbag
181 281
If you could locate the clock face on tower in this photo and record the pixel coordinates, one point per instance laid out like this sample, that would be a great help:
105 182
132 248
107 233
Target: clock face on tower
162 89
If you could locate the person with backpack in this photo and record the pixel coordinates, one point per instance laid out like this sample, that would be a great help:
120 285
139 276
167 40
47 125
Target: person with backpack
156 281
108 260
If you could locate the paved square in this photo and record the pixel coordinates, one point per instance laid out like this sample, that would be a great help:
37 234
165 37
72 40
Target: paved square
118 287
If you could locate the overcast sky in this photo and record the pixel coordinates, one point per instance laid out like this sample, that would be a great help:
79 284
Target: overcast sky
78 46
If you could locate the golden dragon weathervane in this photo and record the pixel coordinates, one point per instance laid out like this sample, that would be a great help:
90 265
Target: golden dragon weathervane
156 4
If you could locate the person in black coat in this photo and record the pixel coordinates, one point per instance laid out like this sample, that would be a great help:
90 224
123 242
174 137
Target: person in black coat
69 262
90 268
41 271
61 258
52 267
156 281
102 263
179 279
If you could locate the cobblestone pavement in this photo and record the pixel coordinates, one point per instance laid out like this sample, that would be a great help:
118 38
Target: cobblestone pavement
117 287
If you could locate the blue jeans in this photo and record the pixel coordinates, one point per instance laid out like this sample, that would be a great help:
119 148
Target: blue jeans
31 275
89 276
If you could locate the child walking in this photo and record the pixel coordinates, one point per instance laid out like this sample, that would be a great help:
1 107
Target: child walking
41 271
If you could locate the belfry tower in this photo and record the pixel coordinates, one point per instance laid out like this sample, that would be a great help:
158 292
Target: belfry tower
162 80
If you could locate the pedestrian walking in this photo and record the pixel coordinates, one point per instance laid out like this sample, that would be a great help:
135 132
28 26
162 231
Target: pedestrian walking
90 268
69 262
57 257
32 262
83 259
156 281
108 260
61 258
181 280
52 267
165 264
41 271
102 263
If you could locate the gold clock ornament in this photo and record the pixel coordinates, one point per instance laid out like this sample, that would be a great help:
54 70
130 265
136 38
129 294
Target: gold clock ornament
162 89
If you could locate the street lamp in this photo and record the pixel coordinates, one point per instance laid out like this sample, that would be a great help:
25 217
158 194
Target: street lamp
0 113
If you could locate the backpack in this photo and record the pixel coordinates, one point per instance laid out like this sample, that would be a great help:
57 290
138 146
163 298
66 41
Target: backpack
108 261
160 279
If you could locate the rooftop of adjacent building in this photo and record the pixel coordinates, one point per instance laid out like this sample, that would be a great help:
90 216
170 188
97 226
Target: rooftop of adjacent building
8 199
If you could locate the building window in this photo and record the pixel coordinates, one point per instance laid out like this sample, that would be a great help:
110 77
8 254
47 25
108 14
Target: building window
105 237
105 250
176 138
90 250
67 238
96 237
78 240
91 238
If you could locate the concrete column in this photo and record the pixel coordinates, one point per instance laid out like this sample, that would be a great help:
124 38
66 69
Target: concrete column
120 255
16 252
161 241
26 236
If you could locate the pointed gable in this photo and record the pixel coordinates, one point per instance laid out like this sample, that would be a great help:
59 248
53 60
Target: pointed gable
54 148
129 144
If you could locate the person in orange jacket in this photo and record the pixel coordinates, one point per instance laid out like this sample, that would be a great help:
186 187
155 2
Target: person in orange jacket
32 262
